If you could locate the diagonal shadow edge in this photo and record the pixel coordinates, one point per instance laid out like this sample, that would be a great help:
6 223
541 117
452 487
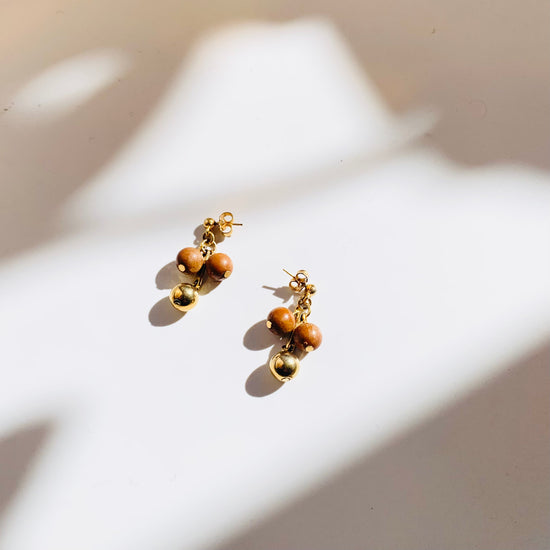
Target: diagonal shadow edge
473 476
18 451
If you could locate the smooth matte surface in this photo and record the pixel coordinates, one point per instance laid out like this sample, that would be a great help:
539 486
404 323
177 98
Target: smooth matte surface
129 425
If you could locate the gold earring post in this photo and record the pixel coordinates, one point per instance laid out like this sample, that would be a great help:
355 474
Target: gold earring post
226 223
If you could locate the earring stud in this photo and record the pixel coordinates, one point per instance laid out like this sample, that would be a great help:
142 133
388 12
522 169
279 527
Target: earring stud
201 261
293 326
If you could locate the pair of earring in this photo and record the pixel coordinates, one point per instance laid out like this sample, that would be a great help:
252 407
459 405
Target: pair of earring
291 326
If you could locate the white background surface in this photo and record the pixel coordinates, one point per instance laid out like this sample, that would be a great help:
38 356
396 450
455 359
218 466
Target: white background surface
126 426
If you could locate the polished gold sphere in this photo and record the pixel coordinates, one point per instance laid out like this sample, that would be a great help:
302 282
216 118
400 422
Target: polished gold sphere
184 297
284 366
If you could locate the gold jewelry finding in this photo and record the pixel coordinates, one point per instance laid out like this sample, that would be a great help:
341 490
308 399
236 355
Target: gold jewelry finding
201 261
294 327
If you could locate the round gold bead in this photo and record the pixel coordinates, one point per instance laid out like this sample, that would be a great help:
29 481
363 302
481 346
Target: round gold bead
284 366
280 321
184 297
209 222
307 337
190 260
219 266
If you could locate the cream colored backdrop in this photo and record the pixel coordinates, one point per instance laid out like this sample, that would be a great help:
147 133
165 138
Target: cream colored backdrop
398 152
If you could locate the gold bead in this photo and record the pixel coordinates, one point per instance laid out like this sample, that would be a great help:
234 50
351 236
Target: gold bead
184 297
311 289
209 222
284 366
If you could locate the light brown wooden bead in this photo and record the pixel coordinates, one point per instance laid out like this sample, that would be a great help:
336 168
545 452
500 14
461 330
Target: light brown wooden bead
280 321
307 337
219 266
190 260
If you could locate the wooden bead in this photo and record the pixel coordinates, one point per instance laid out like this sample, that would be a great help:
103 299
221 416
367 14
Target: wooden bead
280 321
190 260
307 337
219 266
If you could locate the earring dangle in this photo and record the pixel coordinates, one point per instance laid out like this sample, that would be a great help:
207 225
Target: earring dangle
201 261
301 335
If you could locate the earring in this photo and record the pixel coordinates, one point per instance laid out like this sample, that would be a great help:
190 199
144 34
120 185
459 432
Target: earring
201 261
302 336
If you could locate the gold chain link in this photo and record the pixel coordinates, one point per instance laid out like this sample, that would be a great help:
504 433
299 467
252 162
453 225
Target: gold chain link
303 309
208 244
299 283
225 226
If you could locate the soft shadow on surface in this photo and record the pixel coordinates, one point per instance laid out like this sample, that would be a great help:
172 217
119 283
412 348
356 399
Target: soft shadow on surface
163 313
261 382
283 292
462 64
17 452
198 232
474 476
52 155
258 337
208 286
168 277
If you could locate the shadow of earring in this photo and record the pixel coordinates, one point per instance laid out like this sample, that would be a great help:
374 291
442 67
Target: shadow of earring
261 381
163 313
